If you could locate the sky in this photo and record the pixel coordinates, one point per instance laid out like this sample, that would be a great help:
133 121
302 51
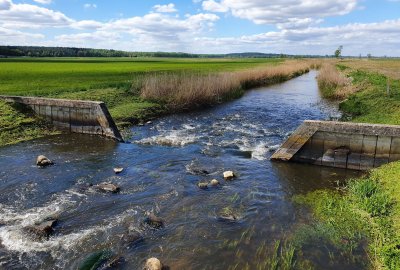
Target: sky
206 26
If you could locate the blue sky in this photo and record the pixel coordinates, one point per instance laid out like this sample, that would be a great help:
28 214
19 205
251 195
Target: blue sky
206 26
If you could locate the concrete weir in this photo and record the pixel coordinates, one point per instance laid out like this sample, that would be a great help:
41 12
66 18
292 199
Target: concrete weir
86 117
342 145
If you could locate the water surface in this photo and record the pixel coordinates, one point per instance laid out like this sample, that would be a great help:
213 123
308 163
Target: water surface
163 165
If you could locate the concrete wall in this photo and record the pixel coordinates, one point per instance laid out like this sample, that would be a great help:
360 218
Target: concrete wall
342 145
87 117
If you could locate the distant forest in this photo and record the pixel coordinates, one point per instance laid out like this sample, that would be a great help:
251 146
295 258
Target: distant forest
34 51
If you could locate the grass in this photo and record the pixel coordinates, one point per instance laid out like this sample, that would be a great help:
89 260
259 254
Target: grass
17 125
332 83
52 76
366 213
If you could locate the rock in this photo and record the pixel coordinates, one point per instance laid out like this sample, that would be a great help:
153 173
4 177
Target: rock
108 187
214 182
118 170
228 175
43 230
149 122
154 221
43 161
202 185
153 264
228 214
96 260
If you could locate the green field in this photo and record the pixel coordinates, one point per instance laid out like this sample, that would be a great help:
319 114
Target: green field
53 76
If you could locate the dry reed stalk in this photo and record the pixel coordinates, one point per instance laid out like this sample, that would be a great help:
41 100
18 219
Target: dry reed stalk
334 84
180 91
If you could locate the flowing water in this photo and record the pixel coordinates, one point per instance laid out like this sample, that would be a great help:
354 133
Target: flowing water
163 164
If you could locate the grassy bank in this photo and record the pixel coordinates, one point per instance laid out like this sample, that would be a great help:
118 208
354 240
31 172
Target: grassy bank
18 124
359 221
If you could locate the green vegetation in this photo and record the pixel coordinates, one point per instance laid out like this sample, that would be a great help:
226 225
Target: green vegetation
364 215
373 104
18 124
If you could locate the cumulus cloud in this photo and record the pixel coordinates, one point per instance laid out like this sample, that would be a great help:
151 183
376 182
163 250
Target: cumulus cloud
165 8
280 11
28 16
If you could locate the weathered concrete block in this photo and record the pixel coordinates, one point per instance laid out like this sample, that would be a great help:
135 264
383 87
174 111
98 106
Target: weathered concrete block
382 152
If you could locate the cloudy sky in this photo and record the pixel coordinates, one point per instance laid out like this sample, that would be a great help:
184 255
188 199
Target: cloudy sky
206 26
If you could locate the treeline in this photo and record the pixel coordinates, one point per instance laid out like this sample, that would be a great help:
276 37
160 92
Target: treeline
35 51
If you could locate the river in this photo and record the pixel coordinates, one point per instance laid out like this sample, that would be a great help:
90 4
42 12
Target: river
163 164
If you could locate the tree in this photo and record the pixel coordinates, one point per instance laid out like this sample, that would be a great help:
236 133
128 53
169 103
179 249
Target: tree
338 52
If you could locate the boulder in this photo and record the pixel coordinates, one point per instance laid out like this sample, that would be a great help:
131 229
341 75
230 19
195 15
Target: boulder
118 170
108 187
202 185
214 182
42 230
43 161
228 175
228 214
153 264
154 221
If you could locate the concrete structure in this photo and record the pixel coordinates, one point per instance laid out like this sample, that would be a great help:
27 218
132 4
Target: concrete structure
342 145
87 117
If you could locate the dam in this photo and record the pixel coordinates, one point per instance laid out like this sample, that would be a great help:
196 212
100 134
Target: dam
354 146
75 116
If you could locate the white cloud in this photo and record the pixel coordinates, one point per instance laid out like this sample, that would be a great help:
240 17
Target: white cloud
30 16
46 2
280 11
90 6
165 8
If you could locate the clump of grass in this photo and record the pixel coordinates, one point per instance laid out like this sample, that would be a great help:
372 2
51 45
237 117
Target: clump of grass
181 91
333 84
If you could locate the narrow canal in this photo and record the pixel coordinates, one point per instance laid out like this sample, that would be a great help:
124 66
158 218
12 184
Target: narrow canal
163 165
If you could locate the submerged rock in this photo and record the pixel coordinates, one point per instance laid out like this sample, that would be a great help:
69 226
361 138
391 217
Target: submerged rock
202 185
108 187
153 264
118 170
228 214
154 221
97 260
43 161
214 182
229 175
42 230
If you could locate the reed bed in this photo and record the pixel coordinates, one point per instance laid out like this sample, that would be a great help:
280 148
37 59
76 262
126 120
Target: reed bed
333 84
183 91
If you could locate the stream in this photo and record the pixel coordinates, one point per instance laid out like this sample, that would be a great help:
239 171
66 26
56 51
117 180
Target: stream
163 164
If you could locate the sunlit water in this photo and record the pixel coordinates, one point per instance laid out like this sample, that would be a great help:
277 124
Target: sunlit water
163 164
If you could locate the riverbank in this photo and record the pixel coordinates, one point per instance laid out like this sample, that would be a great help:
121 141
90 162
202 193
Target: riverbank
150 95
361 218
17 125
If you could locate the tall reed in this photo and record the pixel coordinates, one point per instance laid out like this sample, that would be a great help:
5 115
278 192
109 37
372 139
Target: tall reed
186 90
333 84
